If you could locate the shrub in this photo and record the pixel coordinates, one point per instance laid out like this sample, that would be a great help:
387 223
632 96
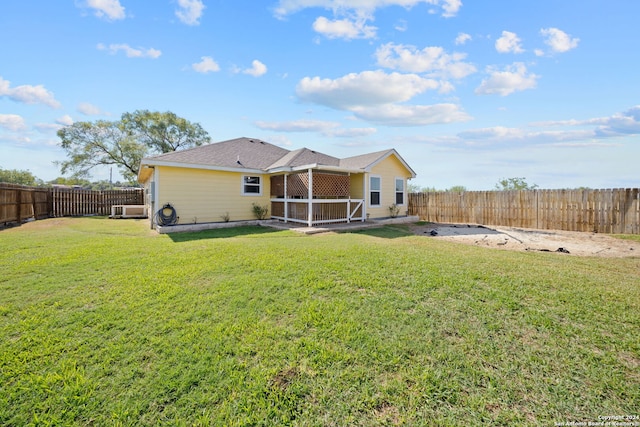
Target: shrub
260 212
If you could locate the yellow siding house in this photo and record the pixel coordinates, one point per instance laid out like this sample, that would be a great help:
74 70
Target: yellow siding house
224 181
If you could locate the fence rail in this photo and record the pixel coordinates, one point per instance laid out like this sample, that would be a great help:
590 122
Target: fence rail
19 203
602 211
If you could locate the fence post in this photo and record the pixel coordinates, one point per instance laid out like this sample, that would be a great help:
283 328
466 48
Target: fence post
19 205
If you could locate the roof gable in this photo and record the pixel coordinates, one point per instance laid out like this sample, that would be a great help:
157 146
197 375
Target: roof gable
369 160
304 156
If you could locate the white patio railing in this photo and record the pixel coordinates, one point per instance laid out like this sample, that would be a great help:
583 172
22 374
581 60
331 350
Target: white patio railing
317 211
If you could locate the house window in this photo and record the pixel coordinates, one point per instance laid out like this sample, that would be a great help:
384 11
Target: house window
374 191
399 191
251 185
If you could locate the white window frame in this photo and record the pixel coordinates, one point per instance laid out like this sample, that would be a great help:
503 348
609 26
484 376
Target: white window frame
243 185
379 190
404 192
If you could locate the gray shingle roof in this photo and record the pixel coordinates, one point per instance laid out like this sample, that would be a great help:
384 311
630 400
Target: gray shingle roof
252 153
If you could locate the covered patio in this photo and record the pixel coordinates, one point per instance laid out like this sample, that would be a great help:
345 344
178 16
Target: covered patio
314 197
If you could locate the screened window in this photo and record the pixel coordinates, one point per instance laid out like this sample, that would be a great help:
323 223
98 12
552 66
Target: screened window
251 185
399 191
374 191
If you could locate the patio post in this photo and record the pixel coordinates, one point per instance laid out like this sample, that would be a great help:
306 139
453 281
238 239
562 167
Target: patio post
310 195
286 198
349 200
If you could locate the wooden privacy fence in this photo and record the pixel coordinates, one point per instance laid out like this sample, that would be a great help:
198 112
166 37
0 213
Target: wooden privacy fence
602 211
75 202
19 203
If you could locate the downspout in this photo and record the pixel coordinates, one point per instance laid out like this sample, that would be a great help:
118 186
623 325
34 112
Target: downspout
156 179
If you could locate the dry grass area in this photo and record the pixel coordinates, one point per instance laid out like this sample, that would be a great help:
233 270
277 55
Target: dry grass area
519 239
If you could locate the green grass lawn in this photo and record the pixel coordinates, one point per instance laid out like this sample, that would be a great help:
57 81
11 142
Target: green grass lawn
103 322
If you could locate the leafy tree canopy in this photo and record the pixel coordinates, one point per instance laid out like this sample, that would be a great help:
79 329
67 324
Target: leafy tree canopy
507 184
458 189
414 188
164 132
22 177
124 143
61 180
101 143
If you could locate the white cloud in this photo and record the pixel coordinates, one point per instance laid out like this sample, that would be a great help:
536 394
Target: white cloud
450 7
492 133
129 51
344 28
412 115
206 65
401 26
109 9
558 40
577 133
47 128
513 78
65 120
351 17
619 124
462 38
500 135
298 126
330 129
350 132
432 60
625 123
12 122
361 89
446 87
28 94
287 7
190 11
257 69
374 96
89 109
509 43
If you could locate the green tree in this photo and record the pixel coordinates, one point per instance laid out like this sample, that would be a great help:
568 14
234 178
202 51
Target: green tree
22 177
164 132
415 188
507 184
457 189
124 143
61 180
101 143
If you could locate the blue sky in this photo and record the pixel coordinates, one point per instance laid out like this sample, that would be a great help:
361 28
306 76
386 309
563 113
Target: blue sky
468 92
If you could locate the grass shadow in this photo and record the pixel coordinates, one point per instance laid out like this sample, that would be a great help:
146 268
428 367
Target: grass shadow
394 231
221 233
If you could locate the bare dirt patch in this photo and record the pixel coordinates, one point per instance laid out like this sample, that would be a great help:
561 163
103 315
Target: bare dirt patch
520 239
